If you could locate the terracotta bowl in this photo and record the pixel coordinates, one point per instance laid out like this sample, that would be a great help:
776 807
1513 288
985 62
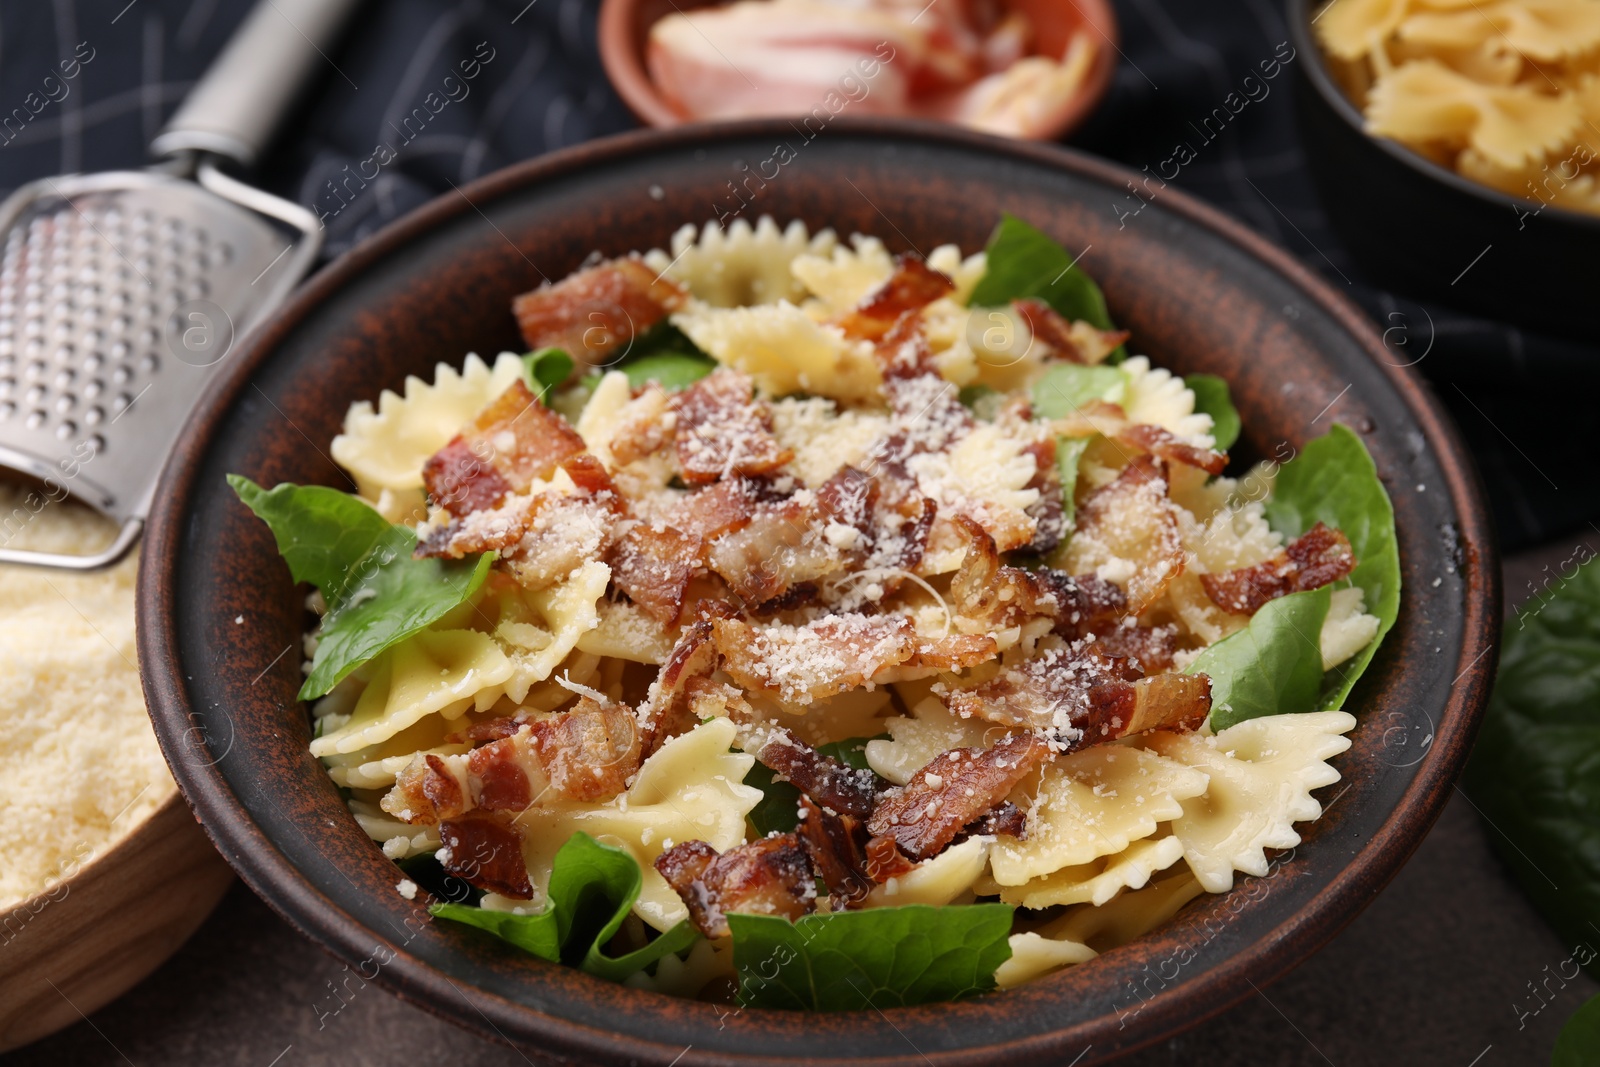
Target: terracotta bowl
1200 293
625 30
92 936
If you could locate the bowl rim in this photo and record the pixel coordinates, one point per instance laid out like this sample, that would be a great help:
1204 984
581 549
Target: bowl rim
625 67
1316 72
270 874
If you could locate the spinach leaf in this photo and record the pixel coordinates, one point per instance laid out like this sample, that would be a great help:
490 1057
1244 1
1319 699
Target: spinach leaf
877 957
778 810
1272 666
592 888
377 594
1023 262
1334 481
546 369
1069 454
1535 771
1579 1043
1062 390
670 370
1211 398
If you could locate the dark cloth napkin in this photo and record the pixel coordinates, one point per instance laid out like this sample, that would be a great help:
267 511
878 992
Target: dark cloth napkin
383 130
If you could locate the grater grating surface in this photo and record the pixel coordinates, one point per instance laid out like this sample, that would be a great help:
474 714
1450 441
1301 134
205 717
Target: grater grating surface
120 295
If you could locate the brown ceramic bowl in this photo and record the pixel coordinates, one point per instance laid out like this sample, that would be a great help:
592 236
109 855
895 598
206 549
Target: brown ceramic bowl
1200 293
625 30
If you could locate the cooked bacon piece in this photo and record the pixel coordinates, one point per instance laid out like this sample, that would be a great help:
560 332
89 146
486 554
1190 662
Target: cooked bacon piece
667 709
885 860
983 589
1109 420
488 730
1151 647
1056 690
722 430
1007 819
926 407
715 510
956 788
596 310
591 751
839 787
1312 560
911 543
589 475
1132 519
783 545
1162 702
850 498
653 563
1049 514
837 846
561 533
771 876
1075 342
913 286
843 651
484 853
499 779
512 442
643 428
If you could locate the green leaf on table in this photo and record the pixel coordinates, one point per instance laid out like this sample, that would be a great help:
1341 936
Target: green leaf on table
592 889
1535 771
1334 481
1579 1042
377 594
1211 398
546 369
1022 262
1271 667
873 958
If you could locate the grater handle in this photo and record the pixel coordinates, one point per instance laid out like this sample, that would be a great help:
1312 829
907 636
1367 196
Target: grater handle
127 537
234 109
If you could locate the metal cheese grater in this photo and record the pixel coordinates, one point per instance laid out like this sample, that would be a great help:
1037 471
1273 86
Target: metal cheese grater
121 293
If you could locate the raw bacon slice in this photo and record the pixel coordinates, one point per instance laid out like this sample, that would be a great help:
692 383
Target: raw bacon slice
771 876
598 310
951 792
722 430
483 852
1312 560
913 286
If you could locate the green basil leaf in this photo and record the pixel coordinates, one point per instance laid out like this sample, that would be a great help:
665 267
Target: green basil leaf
546 369
876 957
592 889
1271 667
1066 387
1334 481
1579 1043
1023 262
1211 398
377 594
1535 771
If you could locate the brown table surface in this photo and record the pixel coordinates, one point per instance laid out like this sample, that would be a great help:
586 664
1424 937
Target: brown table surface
1439 969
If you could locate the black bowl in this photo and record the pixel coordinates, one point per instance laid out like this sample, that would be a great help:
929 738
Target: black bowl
1421 230
1199 292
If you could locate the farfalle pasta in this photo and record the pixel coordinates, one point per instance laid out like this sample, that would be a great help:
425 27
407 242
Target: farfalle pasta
786 613
1507 93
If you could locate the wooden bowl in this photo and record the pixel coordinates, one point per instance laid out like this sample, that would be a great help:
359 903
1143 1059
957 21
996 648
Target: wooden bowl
93 936
625 31
1200 293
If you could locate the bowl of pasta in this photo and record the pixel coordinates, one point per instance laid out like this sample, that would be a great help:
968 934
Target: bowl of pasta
916 615
1455 148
